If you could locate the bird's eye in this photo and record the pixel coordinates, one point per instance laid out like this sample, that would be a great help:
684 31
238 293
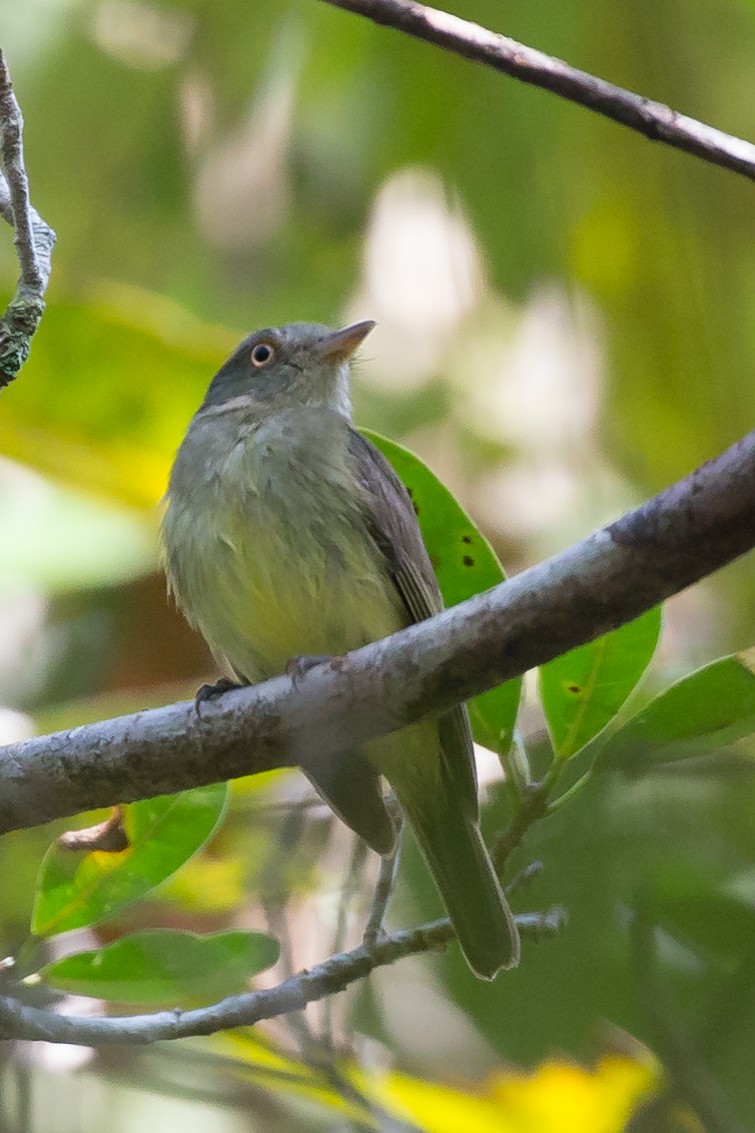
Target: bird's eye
262 354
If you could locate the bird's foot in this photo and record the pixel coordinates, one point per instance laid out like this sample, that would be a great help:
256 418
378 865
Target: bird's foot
298 667
212 692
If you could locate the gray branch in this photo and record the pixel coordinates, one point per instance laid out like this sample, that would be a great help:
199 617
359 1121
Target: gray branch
19 1021
652 119
679 536
34 239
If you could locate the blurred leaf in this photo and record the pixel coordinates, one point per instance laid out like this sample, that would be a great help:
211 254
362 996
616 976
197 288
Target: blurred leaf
165 965
75 890
465 565
59 540
59 716
206 885
742 887
556 1097
709 708
582 690
700 909
567 1098
137 366
260 1060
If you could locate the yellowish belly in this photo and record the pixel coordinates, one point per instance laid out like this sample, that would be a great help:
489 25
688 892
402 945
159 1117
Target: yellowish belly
262 589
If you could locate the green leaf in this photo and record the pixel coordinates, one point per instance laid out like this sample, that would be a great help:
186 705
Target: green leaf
74 890
465 565
163 965
709 708
582 690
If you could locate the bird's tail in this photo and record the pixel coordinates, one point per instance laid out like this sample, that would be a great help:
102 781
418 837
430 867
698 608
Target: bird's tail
453 848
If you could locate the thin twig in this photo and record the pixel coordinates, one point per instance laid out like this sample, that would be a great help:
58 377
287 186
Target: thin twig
349 890
652 119
533 806
681 535
19 1021
12 126
34 239
274 900
526 877
384 887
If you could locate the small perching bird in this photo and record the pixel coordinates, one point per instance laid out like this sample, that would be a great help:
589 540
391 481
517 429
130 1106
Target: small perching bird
287 534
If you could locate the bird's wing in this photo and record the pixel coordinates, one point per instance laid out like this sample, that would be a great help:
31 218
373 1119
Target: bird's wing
392 523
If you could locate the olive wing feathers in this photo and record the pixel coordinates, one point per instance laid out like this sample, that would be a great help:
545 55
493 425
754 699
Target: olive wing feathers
392 523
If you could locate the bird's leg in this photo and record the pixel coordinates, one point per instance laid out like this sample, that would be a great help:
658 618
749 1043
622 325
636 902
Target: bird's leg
298 667
212 692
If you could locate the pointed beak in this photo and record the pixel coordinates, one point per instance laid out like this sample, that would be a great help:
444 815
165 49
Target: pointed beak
341 344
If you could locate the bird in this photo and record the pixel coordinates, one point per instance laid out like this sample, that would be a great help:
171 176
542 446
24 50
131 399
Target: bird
286 534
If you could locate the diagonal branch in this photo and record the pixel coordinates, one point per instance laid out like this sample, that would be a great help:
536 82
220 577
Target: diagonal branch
34 238
19 1021
688 531
653 119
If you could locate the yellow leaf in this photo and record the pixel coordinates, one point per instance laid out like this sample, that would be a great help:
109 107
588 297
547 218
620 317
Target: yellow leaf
563 1097
557 1097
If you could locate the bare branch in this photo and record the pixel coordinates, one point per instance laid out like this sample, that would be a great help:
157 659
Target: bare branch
688 531
34 238
652 119
333 975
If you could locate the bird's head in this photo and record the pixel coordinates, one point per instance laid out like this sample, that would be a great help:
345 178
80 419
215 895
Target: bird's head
298 364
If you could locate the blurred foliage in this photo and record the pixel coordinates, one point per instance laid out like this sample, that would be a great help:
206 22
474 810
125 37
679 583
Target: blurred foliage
558 1098
163 966
565 325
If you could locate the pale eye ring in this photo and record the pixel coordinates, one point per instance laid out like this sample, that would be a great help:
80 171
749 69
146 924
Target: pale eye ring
262 354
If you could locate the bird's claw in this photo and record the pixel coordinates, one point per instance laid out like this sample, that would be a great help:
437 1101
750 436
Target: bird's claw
298 667
212 692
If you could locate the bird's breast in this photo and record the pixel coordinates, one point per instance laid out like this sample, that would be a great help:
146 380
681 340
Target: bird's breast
268 551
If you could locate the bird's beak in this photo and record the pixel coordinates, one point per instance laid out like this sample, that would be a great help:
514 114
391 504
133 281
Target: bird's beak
341 344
